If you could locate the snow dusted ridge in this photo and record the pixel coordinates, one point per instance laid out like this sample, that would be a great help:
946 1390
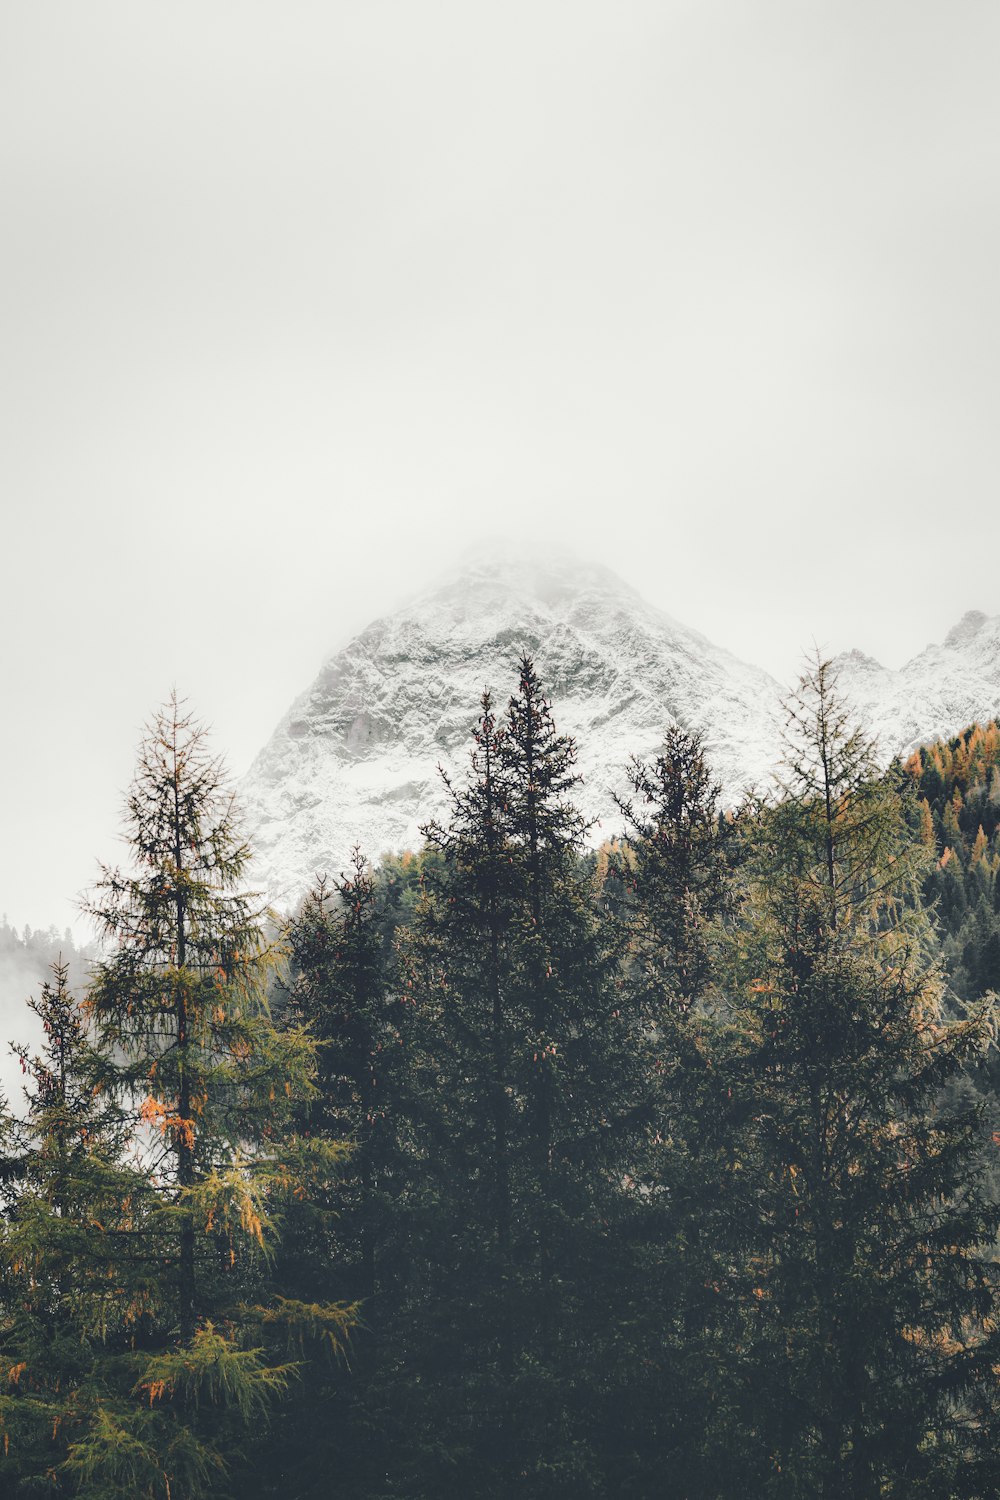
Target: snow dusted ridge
938 693
355 758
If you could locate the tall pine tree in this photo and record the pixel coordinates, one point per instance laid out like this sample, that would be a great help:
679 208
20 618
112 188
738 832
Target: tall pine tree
356 1236
80 1288
675 873
180 1019
525 1071
869 1291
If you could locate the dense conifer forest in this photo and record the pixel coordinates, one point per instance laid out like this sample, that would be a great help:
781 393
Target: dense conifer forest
515 1167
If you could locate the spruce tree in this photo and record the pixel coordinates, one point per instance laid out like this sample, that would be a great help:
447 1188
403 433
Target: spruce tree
462 1307
578 1040
356 1235
340 990
524 1072
80 1287
868 1293
466 935
679 855
675 874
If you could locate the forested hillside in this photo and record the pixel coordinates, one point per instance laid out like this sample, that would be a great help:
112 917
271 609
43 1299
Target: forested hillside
515 1168
958 786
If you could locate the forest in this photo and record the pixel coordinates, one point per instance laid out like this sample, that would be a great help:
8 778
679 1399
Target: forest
511 1166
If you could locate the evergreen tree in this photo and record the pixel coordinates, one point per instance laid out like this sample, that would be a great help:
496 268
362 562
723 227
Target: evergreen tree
526 1090
459 1308
184 1037
868 1294
676 874
355 1237
584 1104
465 937
340 990
79 1288
680 851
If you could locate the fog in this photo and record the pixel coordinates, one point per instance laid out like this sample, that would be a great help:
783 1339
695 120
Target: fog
23 971
300 299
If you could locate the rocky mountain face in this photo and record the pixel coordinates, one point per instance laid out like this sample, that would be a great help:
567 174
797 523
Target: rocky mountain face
938 693
355 759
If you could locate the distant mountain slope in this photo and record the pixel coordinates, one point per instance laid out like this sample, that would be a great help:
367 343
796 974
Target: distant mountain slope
938 693
355 757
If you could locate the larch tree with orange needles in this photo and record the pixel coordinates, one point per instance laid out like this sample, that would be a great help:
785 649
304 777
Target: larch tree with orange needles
184 1039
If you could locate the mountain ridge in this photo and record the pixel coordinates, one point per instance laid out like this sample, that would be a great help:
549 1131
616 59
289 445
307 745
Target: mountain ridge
355 758
938 692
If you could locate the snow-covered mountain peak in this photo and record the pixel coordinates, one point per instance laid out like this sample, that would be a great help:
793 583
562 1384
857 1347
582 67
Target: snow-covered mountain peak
936 694
512 579
356 756
856 661
968 626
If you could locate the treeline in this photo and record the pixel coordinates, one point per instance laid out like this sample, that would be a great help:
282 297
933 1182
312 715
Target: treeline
39 947
26 958
646 1172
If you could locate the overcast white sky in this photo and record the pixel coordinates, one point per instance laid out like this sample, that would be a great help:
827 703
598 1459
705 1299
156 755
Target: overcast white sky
298 299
